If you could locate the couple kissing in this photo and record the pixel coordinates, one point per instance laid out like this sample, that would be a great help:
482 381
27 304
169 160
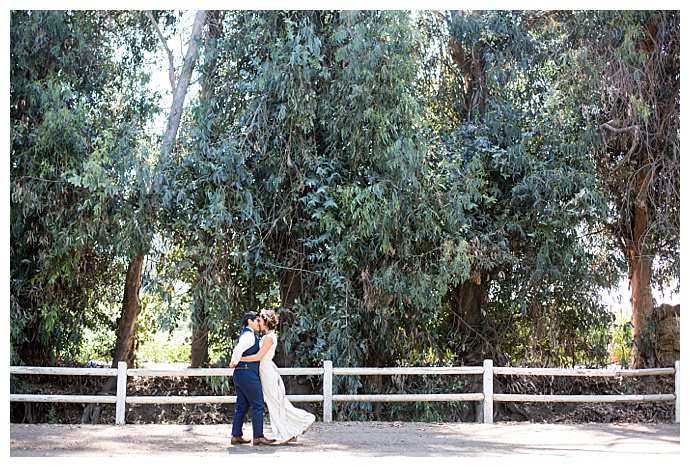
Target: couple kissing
257 381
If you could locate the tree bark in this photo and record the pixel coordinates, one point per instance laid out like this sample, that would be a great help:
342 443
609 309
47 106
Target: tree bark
124 349
470 63
199 353
640 264
290 285
466 302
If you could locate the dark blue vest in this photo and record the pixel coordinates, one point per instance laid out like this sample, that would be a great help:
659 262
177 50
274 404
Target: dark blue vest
253 350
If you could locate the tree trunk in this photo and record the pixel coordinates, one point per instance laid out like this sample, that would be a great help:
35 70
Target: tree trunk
34 351
466 302
199 347
124 347
290 284
30 413
470 65
182 85
199 354
640 264
131 306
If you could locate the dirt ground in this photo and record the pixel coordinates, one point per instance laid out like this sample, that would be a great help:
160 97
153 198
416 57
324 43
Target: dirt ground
392 440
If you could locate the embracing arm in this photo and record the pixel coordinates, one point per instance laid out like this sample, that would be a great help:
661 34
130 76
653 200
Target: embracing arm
268 342
245 341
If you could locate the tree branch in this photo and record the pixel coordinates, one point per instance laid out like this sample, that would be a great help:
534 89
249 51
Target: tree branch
171 59
609 127
180 91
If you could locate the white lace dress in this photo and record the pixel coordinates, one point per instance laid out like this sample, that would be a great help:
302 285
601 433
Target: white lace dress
286 420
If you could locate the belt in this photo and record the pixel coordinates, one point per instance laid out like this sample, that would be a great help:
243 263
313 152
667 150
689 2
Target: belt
243 368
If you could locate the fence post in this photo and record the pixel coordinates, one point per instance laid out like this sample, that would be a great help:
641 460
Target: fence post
327 391
677 391
488 408
121 393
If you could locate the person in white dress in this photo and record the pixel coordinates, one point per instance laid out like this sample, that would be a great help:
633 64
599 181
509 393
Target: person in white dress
287 421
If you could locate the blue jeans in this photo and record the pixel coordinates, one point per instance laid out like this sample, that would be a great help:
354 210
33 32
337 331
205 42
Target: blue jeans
248 388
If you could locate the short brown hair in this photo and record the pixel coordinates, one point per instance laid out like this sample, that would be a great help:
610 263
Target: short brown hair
248 316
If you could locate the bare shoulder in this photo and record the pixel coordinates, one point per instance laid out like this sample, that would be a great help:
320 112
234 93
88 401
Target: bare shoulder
272 336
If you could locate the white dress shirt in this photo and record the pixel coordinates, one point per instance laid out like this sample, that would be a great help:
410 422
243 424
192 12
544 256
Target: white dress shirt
243 344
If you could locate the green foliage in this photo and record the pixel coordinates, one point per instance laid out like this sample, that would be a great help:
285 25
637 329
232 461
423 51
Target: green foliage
74 111
158 351
634 103
218 384
97 343
516 165
621 342
408 189
336 175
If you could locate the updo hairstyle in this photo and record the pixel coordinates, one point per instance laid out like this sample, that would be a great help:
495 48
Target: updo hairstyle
270 318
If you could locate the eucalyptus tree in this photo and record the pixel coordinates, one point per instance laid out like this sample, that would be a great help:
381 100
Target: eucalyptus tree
144 204
514 162
131 303
207 203
391 250
78 107
625 76
337 208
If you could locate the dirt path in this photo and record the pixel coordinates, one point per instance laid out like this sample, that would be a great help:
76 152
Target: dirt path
354 439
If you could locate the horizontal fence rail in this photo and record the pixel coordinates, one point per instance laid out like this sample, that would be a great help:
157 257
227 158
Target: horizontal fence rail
487 397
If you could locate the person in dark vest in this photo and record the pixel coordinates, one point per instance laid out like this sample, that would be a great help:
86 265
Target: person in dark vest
248 384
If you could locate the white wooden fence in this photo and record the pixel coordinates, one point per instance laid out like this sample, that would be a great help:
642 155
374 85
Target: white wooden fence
487 396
